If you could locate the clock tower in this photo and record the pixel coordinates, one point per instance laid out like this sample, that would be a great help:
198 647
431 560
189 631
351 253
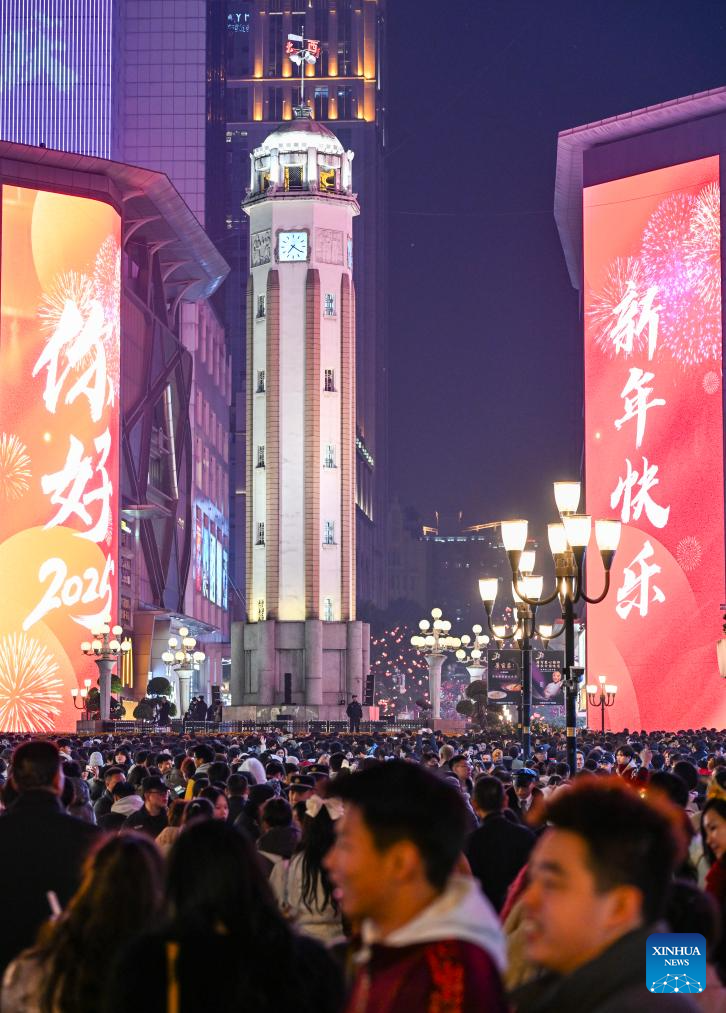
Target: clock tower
301 649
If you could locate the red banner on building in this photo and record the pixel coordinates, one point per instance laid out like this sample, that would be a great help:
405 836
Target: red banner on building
654 440
59 447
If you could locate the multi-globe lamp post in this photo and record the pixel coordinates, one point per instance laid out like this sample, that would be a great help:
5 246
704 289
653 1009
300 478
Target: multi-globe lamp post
568 540
183 658
433 643
601 695
105 649
472 651
82 695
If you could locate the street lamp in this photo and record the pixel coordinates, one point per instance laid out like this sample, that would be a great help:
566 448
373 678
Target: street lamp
82 695
568 540
105 649
471 653
606 698
521 635
183 658
433 642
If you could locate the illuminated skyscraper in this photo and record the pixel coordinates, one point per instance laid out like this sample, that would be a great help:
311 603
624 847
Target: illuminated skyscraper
59 66
345 90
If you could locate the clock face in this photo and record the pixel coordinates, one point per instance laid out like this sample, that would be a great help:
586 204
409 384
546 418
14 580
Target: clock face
292 246
261 247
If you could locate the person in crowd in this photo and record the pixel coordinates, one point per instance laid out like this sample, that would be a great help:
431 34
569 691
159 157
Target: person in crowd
111 777
170 832
431 940
526 799
355 714
94 776
598 886
499 848
41 847
462 768
80 804
218 799
237 791
174 777
151 818
197 809
626 762
301 884
713 833
224 945
68 969
126 802
691 910
278 839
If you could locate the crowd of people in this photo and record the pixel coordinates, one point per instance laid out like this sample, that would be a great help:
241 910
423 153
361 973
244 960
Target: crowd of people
415 873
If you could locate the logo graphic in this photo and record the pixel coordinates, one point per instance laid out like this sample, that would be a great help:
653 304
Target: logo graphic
675 962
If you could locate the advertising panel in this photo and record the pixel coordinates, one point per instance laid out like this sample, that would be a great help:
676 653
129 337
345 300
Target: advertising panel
205 556
225 579
547 675
654 440
504 677
219 567
59 447
212 565
198 550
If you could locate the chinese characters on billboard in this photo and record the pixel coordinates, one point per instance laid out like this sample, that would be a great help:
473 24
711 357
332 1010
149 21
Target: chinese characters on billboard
59 447
654 440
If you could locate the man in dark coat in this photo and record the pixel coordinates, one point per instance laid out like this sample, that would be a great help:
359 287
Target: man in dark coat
151 818
499 848
355 713
599 881
42 848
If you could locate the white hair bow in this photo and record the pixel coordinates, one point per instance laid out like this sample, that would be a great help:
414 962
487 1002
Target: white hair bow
315 803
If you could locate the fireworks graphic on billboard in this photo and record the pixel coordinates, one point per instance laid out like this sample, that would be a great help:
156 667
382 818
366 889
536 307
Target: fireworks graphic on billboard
14 467
625 275
30 690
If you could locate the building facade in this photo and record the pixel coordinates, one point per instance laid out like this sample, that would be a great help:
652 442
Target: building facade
344 90
127 80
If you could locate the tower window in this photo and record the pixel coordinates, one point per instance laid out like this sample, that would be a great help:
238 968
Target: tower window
329 457
293 177
329 533
328 610
260 533
321 102
329 380
260 610
329 304
261 457
261 306
260 381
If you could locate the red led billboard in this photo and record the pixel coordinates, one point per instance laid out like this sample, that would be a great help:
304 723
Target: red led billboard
654 440
59 447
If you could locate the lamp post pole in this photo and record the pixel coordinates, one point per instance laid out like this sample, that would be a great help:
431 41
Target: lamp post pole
602 696
433 643
183 659
568 541
105 649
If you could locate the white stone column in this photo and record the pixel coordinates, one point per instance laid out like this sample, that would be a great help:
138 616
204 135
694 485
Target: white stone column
312 169
267 667
184 675
435 663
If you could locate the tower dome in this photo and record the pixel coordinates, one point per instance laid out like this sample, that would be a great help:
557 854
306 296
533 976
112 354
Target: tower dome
301 154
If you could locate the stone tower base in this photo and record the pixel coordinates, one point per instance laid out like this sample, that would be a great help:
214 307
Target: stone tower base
310 669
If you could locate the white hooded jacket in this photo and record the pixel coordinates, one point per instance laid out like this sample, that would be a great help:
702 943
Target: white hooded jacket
460 912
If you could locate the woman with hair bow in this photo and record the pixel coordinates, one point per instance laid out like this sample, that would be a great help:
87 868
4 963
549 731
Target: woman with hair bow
301 885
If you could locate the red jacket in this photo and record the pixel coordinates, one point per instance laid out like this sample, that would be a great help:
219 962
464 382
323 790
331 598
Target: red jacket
446 960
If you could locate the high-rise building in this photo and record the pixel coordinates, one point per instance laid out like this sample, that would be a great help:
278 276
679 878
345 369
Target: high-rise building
344 90
301 645
127 80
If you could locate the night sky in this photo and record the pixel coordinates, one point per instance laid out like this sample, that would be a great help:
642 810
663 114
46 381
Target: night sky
485 337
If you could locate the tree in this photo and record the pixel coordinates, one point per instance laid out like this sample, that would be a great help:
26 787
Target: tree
466 708
477 694
159 686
